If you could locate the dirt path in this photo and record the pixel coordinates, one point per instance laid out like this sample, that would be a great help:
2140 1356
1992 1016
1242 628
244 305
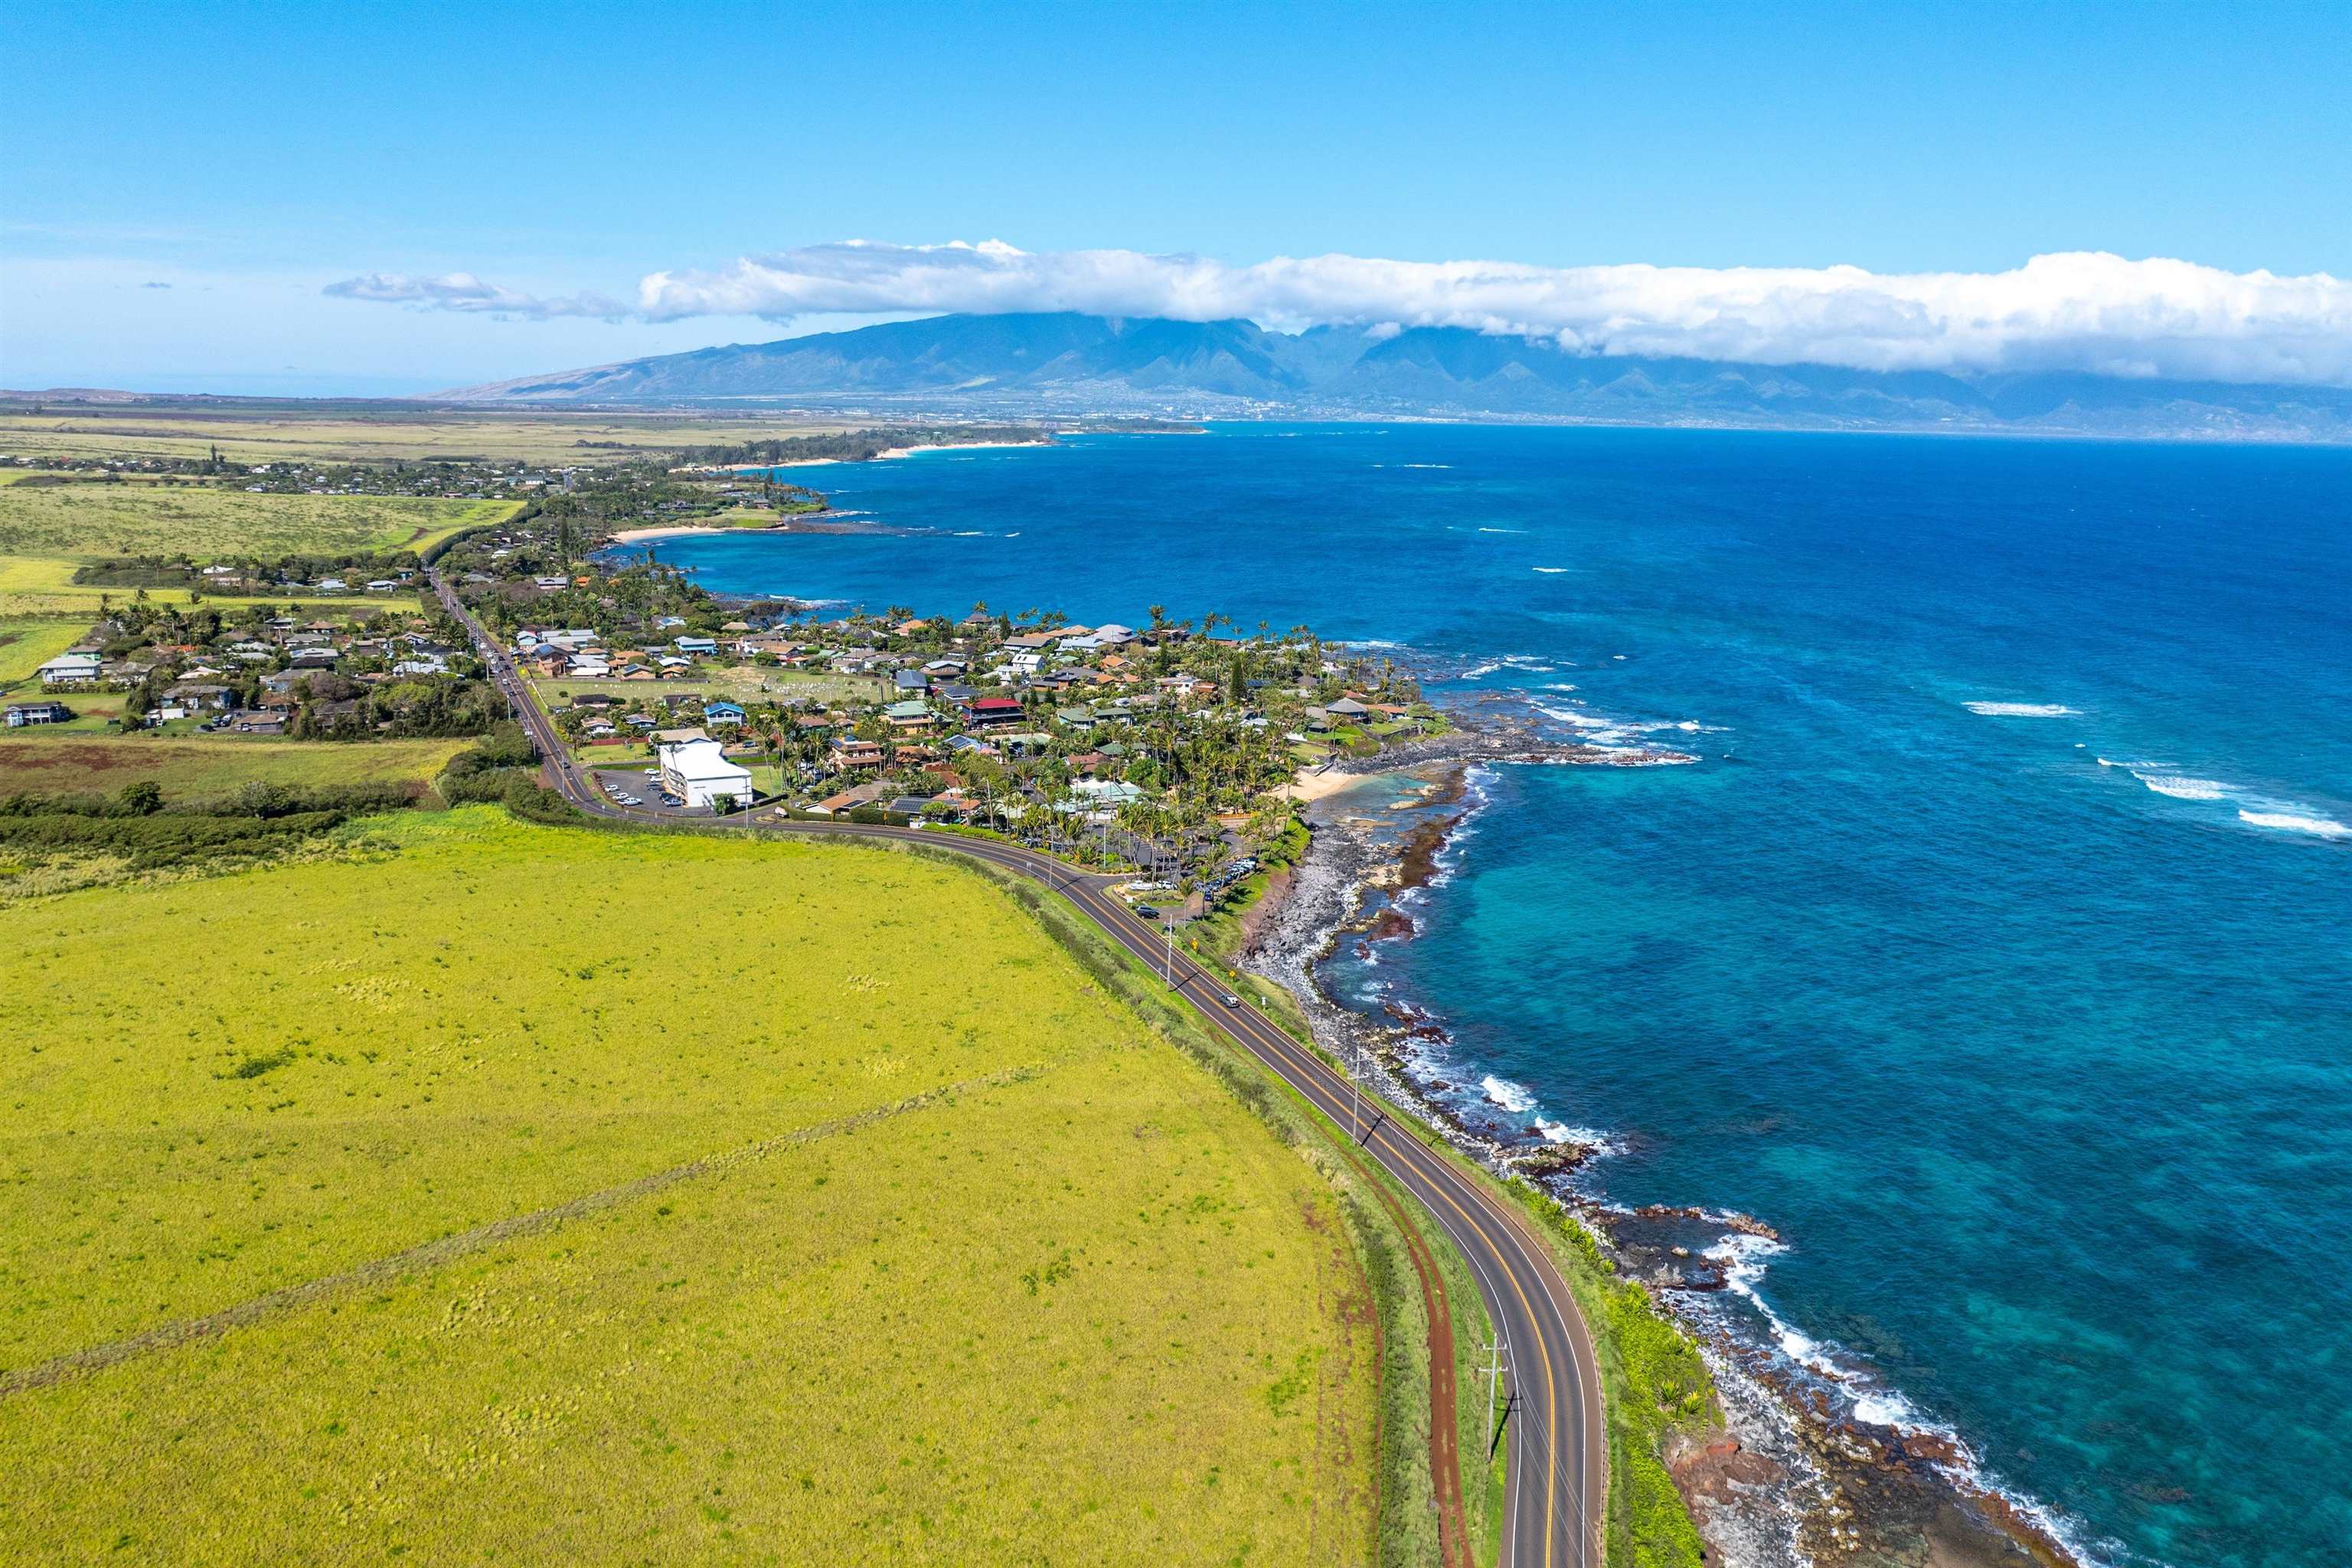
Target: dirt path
1445 1421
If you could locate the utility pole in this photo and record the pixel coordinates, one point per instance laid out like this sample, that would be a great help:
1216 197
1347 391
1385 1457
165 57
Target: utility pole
1355 1096
1494 1376
1168 971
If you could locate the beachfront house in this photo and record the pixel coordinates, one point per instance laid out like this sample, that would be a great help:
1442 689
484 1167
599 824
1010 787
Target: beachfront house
697 772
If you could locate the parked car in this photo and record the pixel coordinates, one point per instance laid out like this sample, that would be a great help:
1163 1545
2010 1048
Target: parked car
1149 912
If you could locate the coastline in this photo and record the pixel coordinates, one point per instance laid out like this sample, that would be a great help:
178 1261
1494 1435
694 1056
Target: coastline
806 523
885 454
1799 1472
827 521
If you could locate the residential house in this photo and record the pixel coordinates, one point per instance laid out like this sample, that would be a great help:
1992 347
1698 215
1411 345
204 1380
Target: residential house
21 714
183 698
852 798
70 669
988 712
912 717
718 714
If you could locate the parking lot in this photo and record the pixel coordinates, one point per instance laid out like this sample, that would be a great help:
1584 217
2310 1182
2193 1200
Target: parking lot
633 787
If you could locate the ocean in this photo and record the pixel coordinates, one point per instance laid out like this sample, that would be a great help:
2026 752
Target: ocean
1997 951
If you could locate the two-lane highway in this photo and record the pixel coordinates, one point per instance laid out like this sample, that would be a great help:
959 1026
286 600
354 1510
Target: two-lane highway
1555 1495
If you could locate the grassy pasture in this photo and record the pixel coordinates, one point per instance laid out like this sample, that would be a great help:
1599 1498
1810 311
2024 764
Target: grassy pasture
326 432
195 766
28 642
88 521
36 585
869 1226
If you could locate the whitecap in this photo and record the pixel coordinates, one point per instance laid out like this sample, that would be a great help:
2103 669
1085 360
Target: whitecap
1552 571
1559 686
1510 1096
2288 822
2021 709
967 533
2182 788
1582 1137
1475 670
1425 465
1502 531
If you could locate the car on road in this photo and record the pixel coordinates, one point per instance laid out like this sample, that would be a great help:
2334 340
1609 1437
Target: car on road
1230 1000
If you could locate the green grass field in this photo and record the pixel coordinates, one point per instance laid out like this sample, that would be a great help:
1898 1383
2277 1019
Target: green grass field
194 766
840 1215
79 522
28 642
266 432
44 585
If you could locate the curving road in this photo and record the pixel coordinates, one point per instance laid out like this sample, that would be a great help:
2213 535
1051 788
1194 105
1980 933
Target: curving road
1556 1481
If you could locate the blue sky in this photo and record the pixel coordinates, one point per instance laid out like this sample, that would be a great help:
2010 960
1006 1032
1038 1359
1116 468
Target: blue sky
249 157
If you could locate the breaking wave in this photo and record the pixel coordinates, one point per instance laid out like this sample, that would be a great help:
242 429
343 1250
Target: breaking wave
2288 822
2022 710
1513 1098
2182 788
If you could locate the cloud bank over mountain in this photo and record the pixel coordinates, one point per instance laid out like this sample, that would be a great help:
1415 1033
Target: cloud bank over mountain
2080 311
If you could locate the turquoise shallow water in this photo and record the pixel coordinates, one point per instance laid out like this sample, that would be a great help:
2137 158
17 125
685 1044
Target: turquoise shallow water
2028 1024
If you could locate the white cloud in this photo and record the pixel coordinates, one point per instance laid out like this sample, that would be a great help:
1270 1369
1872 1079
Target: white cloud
2081 310
464 292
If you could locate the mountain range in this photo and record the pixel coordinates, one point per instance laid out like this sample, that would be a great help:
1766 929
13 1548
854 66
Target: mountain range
1066 362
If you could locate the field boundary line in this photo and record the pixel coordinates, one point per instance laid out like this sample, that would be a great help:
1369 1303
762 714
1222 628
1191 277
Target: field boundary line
448 1248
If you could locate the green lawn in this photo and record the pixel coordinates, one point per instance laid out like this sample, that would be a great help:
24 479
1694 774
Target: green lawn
201 765
843 1217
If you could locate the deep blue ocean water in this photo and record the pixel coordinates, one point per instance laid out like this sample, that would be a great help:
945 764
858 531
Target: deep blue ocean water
2028 1024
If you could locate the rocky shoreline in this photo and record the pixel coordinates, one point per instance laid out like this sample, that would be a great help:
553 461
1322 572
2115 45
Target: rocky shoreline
1793 1477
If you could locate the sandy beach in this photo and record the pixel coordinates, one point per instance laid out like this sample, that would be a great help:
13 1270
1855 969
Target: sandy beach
1318 783
640 535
